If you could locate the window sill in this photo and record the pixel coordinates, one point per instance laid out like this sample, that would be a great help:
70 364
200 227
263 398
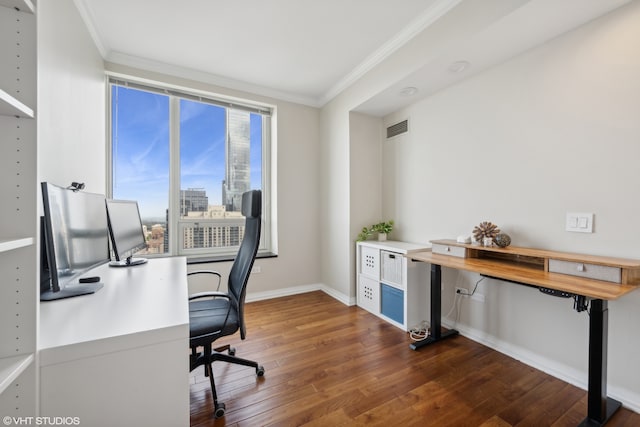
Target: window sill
225 258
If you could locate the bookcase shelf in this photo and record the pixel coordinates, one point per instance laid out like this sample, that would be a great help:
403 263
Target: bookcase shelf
9 106
22 5
12 367
10 244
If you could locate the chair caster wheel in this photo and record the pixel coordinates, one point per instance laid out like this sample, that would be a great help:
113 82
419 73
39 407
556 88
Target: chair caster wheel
260 371
219 412
232 351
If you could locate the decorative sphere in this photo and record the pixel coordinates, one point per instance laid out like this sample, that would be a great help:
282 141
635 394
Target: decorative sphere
503 240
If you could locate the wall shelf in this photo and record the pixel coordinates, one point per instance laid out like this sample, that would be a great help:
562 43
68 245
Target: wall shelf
10 244
22 5
12 367
9 106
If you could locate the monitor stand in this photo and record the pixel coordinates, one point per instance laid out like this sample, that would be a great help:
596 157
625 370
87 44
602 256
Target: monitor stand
129 262
71 291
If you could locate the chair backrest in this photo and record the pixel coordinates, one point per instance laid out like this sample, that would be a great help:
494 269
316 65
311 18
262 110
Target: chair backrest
241 269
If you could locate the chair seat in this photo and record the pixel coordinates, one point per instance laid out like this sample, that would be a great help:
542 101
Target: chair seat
208 316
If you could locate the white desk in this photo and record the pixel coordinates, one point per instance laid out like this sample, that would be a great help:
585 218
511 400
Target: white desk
119 356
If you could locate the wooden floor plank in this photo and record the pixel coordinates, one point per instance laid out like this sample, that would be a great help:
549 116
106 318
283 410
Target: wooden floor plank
332 365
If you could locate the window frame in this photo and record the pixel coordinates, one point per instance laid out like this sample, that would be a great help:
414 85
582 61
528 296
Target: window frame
175 223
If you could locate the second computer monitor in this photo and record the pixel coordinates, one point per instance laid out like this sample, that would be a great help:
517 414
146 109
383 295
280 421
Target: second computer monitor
127 235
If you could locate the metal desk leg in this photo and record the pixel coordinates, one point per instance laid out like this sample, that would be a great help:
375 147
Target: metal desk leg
600 407
436 333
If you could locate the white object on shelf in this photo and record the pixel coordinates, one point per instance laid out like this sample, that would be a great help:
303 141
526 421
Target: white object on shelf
23 5
9 106
10 244
12 367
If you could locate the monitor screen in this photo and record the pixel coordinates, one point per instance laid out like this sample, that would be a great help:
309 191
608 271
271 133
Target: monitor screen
76 238
125 228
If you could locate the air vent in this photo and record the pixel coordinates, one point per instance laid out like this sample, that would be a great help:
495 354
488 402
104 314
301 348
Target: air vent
398 129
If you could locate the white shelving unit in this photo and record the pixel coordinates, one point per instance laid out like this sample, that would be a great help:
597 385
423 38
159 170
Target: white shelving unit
390 285
18 211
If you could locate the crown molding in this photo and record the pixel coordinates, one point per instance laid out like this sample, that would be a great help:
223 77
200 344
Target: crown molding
423 21
204 77
87 16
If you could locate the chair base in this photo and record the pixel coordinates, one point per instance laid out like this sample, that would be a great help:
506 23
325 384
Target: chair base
207 357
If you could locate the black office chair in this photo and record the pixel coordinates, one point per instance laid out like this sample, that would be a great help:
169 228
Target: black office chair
216 314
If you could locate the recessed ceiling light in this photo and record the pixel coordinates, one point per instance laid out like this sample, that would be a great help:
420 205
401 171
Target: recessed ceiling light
458 66
408 91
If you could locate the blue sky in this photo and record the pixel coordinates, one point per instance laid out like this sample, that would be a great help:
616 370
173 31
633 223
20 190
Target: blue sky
141 149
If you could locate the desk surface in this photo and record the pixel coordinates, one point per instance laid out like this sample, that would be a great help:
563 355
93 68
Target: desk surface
138 305
508 271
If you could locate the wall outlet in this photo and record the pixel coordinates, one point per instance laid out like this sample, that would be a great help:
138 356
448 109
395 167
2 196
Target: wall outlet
465 293
256 269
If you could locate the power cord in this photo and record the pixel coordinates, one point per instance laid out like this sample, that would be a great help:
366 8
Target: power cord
466 293
420 331
457 301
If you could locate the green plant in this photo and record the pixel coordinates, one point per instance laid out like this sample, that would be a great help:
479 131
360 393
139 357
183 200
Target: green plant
381 227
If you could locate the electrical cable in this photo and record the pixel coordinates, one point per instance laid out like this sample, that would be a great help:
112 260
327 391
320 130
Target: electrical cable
467 294
419 332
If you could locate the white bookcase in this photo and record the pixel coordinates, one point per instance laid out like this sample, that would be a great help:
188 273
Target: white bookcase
390 285
18 210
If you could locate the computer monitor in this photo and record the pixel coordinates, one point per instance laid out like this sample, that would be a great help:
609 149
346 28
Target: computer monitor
125 228
76 240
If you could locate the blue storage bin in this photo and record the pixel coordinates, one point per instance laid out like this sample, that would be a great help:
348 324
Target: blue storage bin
392 302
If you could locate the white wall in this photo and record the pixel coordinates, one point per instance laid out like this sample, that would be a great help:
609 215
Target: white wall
554 130
341 174
71 99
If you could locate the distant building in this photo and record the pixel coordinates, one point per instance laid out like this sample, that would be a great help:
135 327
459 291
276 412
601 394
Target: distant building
156 241
218 228
238 159
193 200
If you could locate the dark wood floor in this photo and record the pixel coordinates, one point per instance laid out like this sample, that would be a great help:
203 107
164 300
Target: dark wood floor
332 365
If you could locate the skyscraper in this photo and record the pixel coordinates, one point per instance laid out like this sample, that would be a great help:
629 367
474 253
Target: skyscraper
193 200
238 159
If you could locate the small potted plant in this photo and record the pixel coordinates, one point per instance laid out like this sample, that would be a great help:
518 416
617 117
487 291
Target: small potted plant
382 228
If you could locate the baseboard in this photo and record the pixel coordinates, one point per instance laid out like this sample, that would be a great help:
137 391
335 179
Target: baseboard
284 292
259 296
629 399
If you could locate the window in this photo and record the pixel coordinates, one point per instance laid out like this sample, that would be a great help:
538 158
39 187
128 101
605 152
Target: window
187 159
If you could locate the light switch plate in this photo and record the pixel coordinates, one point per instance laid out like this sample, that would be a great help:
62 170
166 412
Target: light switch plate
579 222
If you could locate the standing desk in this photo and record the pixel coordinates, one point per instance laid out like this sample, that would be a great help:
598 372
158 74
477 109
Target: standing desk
119 357
588 279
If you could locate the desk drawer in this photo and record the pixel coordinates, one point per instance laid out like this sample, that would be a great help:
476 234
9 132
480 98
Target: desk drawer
589 271
457 251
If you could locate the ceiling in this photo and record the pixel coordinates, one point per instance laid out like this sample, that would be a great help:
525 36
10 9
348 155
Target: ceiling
309 51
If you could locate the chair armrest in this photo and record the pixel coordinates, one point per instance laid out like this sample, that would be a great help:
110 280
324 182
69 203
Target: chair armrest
214 273
212 294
